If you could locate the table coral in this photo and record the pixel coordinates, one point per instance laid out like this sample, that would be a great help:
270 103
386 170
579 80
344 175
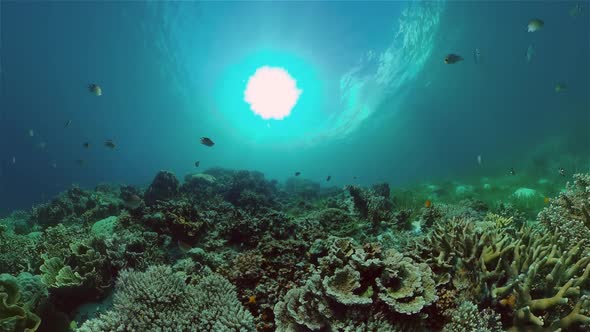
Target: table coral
347 279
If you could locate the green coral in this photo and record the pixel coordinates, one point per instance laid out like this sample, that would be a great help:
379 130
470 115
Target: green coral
15 316
55 274
16 252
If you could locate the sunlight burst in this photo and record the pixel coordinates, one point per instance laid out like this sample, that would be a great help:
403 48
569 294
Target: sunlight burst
272 93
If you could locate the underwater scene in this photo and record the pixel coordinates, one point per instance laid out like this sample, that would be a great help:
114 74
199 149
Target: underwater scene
292 166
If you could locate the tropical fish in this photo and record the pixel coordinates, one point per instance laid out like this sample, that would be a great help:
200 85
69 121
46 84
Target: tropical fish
479 160
207 141
452 58
328 178
560 87
95 89
86 145
512 171
197 163
546 200
68 123
110 144
31 133
427 204
297 173
561 171
13 160
535 24
530 53
477 55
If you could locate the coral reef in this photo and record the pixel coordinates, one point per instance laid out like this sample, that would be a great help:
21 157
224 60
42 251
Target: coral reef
467 317
357 281
77 206
569 213
16 310
164 187
160 300
232 251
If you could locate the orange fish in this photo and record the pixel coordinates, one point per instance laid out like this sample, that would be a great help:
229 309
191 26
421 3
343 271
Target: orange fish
428 204
546 200
252 299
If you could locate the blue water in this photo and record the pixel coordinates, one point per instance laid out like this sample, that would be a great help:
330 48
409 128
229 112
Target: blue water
378 101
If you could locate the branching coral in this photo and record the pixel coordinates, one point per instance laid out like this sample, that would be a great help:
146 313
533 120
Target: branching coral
16 252
545 281
467 317
569 213
160 300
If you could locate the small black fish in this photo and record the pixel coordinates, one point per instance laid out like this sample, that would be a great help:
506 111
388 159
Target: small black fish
561 171
197 163
354 177
328 178
109 144
86 145
68 123
452 58
297 173
95 89
512 171
207 141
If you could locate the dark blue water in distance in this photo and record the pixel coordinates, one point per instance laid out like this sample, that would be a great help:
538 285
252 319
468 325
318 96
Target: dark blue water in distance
378 102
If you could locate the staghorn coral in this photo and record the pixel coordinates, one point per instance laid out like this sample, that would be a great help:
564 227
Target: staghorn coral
545 281
500 221
160 300
569 213
354 281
